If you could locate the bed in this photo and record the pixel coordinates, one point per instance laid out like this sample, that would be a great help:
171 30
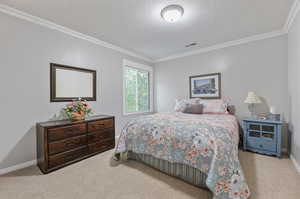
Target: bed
199 149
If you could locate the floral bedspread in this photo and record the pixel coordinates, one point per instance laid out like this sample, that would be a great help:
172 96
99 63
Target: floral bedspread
206 142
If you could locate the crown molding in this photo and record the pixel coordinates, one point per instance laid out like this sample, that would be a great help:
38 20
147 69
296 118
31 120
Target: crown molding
225 45
292 16
48 24
289 22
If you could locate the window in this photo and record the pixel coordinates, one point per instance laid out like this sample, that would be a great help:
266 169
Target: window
137 94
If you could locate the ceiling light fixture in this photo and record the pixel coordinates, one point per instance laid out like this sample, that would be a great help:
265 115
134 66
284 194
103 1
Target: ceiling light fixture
172 13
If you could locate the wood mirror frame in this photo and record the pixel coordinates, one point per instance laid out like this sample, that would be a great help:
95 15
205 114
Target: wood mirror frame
54 98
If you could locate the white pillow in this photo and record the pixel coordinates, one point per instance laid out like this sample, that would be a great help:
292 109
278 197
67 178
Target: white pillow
218 106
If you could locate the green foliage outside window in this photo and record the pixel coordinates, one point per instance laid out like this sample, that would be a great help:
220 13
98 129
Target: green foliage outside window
136 90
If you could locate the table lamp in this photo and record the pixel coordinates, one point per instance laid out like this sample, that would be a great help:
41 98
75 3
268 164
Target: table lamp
252 99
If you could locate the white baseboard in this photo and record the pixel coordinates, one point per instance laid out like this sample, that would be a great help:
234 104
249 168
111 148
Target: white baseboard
295 163
17 167
33 162
24 165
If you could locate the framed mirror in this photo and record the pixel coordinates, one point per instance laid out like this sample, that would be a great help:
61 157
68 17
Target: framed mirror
68 83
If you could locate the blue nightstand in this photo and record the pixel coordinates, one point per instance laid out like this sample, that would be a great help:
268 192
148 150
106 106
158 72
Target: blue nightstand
262 136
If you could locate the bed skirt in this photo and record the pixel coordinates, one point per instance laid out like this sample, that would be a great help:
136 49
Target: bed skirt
184 172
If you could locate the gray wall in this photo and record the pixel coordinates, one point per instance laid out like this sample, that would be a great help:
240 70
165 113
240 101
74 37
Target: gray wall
259 66
27 49
294 86
25 53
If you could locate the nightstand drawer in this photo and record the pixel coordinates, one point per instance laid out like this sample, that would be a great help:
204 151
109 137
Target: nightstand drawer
261 144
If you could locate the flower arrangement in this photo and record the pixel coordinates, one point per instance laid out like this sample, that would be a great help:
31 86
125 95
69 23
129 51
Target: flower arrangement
77 110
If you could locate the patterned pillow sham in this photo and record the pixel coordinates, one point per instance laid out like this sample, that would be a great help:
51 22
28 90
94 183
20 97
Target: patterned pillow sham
180 105
214 106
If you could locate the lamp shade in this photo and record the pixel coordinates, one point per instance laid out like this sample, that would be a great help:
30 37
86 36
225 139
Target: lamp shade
252 98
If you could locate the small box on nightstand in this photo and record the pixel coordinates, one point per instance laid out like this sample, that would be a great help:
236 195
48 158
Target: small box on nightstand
262 136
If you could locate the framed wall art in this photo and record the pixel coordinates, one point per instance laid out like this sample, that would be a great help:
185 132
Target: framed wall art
206 86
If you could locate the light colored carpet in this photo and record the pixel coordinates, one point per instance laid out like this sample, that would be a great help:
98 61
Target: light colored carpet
101 178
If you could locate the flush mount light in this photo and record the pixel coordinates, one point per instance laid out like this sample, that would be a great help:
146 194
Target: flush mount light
172 13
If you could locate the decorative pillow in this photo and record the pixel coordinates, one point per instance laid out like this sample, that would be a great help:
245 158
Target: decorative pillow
180 105
193 109
214 106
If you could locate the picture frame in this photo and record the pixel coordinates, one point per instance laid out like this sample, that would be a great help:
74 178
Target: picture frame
207 86
69 83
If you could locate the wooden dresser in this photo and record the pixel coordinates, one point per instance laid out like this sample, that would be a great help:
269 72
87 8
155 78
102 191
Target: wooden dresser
63 142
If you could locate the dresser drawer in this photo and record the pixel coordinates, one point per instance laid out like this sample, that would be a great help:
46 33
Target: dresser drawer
101 146
66 132
261 144
67 144
101 135
101 124
60 159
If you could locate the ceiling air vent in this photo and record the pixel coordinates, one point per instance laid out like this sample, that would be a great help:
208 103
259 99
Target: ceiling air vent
191 45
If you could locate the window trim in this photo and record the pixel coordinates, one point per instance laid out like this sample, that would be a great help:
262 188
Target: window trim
128 63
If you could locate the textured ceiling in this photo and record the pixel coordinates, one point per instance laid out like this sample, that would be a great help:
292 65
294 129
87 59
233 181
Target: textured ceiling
136 25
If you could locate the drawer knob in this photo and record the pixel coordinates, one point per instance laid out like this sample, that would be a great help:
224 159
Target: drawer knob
261 146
